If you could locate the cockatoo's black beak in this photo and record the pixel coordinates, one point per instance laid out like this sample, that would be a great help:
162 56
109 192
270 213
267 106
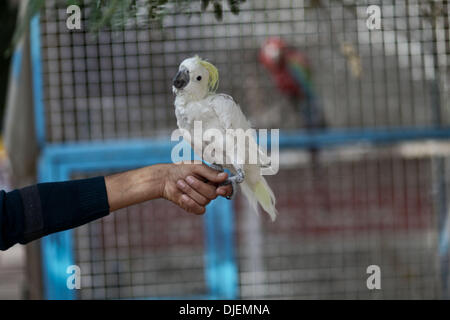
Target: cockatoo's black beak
181 79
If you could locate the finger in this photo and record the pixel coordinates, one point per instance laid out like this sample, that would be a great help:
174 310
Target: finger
194 195
184 202
205 189
210 174
190 205
225 191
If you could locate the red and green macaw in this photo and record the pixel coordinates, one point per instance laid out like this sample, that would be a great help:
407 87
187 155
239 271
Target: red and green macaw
291 72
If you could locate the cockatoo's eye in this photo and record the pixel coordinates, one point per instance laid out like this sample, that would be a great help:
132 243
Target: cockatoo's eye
199 78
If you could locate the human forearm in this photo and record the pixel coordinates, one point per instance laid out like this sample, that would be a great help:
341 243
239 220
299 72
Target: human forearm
135 186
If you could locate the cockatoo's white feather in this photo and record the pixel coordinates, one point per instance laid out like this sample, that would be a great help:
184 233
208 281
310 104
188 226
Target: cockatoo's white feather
196 101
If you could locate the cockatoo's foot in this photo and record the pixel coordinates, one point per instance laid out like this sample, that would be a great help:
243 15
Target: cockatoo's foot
234 181
237 178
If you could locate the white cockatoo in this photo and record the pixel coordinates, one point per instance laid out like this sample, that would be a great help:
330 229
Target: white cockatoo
194 86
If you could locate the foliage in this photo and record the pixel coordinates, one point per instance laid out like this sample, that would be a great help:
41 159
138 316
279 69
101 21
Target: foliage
116 13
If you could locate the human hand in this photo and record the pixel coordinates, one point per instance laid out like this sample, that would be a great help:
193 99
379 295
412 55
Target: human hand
193 186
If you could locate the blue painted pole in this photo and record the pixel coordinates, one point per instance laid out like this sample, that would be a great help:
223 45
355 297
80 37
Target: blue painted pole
38 90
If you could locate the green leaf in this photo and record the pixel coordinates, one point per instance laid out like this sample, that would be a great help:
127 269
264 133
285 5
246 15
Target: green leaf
205 4
234 6
218 10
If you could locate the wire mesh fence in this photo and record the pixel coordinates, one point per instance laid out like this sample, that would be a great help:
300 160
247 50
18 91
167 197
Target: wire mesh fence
335 222
336 218
146 251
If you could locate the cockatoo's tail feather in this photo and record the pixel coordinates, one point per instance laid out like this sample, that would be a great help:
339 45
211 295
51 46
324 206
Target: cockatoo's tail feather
266 198
262 194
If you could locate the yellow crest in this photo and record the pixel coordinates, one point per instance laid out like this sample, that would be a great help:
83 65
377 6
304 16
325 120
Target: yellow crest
213 82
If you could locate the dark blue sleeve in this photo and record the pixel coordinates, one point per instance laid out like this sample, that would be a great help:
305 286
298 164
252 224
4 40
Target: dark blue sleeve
38 210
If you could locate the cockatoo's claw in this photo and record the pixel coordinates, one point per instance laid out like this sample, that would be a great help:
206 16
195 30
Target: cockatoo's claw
233 190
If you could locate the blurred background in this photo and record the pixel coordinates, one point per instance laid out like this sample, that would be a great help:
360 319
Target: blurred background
364 121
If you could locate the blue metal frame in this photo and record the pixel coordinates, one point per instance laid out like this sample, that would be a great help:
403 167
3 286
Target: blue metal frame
342 137
58 162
